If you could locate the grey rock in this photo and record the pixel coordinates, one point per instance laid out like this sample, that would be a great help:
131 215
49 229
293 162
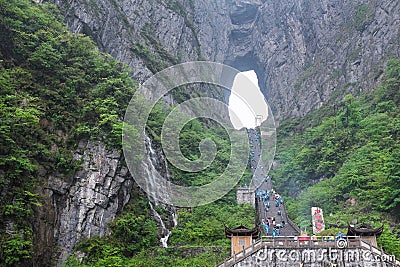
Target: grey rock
306 53
91 201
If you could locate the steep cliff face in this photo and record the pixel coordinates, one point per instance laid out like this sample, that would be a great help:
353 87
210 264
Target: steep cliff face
314 51
85 205
98 192
147 35
310 52
306 53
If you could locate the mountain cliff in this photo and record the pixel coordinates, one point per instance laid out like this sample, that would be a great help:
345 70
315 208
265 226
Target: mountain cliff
306 53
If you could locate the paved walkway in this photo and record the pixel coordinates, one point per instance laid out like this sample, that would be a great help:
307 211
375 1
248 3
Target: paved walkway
262 182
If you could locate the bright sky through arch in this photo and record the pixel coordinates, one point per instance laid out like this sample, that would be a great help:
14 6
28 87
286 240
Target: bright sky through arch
246 101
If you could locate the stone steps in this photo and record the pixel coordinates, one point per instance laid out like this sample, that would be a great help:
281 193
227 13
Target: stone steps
290 228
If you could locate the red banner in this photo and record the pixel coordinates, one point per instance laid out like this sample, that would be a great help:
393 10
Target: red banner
317 220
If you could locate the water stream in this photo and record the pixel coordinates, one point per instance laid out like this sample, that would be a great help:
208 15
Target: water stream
154 165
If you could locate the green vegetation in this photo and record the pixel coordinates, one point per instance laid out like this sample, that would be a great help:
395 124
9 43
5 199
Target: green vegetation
56 89
362 16
347 161
199 238
132 232
191 136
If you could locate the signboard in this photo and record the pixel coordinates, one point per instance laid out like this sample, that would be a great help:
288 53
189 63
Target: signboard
317 220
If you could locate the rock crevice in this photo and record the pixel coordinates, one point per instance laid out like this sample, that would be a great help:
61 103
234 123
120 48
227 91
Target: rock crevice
87 204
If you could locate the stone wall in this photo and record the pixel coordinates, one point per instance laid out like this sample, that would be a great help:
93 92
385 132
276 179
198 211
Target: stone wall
316 257
245 195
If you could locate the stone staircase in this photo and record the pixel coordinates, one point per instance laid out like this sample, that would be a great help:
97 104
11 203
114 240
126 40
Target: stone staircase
258 170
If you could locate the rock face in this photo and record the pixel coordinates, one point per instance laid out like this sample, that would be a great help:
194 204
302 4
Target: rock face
315 51
85 205
306 53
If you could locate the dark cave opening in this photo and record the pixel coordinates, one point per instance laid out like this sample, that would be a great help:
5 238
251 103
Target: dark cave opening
246 63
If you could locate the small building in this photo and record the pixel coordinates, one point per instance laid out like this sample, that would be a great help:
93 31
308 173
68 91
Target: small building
241 237
246 195
366 232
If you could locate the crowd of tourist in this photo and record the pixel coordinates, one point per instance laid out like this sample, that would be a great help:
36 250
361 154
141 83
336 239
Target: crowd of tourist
269 200
272 225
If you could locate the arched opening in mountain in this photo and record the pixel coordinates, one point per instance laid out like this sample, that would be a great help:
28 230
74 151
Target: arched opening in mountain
247 104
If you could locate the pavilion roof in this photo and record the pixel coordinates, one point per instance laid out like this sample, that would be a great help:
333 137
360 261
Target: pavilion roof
364 230
242 231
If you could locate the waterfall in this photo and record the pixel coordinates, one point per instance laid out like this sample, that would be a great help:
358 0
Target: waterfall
165 232
152 173
154 165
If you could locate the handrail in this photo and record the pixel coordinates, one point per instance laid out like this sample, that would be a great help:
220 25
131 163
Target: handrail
309 241
292 224
377 251
297 242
